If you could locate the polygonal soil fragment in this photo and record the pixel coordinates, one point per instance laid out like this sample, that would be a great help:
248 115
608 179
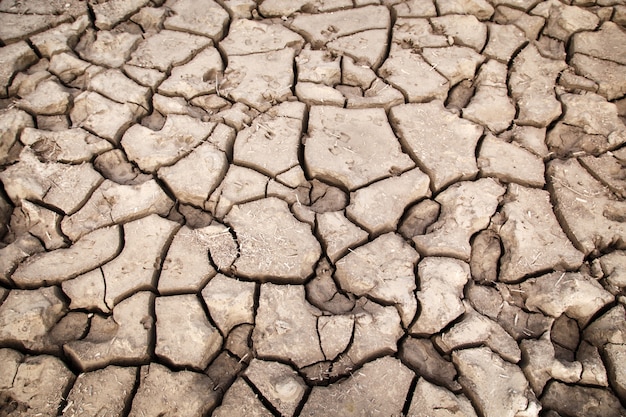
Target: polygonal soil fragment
345 146
286 326
48 98
432 400
241 400
608 328
71 146
564 20
89 252
121 339
184 335
37 388
200 17
464 30
278 383
438 140
365 391
230 302
273 244
504 41
197 77
421 356
604 43
575 294
65 187
26 317
186 266
184 393
14 253
378 207
137 266
456 63
166 49
87 291
607 74
14 58
39 222
12 123
113 203
151 150
259 80
590 214
240 185
250 37
466 208
338 234
384 270
496 387
532 83
270 145
108 48
112 12
583 401
441 283
532 237
102 392
510 163
609 169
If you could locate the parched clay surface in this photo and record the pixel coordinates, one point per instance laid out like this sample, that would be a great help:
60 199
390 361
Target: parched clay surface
313 208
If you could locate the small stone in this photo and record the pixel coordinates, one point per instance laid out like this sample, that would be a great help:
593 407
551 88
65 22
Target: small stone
38 388
345 398
497 388
603 44
414 77
240 399
594 219
432 400
390 196
382 269
278 383
428 132
345 146
259 80
184 335
178 137
145 241
528 215
14 58
587 401
27 316
466 208
113 12
477 330
230 302
166 49
577 295
441 282
286 326
421 356
106 390
532 83
466 30
49 268
185 392
108 48
510 163
70 146
271 144
122 338
103 117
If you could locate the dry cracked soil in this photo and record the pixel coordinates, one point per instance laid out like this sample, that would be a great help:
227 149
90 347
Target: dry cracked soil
313 208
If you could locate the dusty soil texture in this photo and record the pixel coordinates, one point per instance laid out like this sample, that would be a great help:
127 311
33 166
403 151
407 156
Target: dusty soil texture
313 208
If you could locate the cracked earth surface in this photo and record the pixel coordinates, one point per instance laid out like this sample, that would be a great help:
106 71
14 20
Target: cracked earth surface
313 208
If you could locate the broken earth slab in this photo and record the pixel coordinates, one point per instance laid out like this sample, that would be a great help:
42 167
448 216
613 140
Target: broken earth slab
344 146
509 162
422 356
273 245
38 221
338 234
230 302
199 17
440 142
71 146
384 270
433 400
466 208
532 238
